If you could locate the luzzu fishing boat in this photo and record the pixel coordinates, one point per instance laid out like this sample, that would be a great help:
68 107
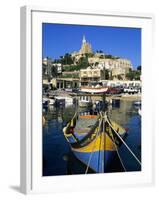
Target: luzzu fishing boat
94 139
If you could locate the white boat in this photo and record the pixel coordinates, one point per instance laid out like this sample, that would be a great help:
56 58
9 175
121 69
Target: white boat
45 101
64 100
137 103
85 101
93 90
48 101
51 100
139 112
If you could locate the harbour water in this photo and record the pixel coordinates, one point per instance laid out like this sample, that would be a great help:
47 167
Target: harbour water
58 158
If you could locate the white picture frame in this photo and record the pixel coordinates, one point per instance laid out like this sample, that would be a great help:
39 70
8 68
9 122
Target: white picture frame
31 97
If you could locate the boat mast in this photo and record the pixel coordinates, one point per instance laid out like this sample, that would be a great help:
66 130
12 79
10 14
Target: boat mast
103 118
104 102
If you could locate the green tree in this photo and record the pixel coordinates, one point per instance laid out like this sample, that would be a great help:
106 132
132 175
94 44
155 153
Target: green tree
139 68
67 59
108 56
69 76
133 75
54 71
83 62
102 56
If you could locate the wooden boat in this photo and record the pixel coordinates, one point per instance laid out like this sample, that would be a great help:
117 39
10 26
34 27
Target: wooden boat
94 140
93 90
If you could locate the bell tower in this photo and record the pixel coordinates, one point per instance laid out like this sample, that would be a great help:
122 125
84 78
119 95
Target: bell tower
84 39
85 47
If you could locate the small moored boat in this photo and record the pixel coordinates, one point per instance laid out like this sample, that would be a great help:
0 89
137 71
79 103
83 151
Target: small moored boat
94 140
139 112
63 100
137 103
94 89
51 101
45 102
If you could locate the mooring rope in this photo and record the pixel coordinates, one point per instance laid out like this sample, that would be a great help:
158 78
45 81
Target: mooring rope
119 155
125 143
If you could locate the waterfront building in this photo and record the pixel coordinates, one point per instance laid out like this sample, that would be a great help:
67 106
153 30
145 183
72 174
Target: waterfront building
46 82
91 75
58 67
123 83
51 69
46 66
70 74
63 83
46 60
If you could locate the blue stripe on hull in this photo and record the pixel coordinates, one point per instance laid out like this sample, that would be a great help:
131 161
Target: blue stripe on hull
99 161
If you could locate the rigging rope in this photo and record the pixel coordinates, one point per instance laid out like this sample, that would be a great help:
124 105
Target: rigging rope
119 155
125 143
99 152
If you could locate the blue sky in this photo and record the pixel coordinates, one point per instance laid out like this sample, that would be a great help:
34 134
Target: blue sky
59 39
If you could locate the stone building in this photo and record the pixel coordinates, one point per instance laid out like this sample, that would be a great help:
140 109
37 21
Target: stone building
46 67
117 66
91 75
58 67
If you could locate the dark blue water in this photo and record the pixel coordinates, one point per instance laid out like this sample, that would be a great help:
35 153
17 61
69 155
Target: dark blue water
58 158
